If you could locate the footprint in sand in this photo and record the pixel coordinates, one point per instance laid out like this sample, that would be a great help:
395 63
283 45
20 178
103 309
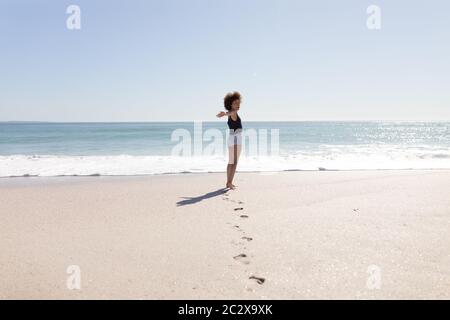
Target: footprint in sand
244 216
259 280
238 228
242 258
231 200
247 238
237 209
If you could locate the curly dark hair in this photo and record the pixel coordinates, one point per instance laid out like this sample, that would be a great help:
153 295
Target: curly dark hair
229 98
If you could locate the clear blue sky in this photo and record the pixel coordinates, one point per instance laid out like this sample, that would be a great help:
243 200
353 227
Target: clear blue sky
175 59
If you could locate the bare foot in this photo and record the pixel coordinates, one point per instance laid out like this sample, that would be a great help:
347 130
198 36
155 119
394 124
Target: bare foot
230 185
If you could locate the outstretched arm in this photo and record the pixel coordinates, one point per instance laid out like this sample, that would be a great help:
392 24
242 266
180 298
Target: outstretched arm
222 113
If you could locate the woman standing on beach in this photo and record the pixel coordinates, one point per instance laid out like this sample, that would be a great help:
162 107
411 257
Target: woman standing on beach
232 102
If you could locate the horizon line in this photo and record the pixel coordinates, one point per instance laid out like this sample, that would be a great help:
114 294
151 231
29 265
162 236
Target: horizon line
217 120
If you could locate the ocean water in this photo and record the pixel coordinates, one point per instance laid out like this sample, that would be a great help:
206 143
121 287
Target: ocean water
55 149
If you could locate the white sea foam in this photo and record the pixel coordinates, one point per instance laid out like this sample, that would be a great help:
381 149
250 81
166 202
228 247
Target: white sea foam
51 165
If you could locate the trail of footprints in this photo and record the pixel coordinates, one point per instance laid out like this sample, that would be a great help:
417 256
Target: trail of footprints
243 257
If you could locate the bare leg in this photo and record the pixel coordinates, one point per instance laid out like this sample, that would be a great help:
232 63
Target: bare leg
231 166
236 152
229 178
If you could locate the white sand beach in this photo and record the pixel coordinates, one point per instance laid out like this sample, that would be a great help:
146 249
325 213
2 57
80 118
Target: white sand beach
303 235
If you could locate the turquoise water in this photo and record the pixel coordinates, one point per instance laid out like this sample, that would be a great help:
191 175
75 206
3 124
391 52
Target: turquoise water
47 149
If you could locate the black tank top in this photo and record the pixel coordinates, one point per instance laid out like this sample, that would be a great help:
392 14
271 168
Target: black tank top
234 125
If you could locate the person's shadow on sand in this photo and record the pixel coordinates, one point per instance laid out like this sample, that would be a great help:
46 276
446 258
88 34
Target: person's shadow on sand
192 200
